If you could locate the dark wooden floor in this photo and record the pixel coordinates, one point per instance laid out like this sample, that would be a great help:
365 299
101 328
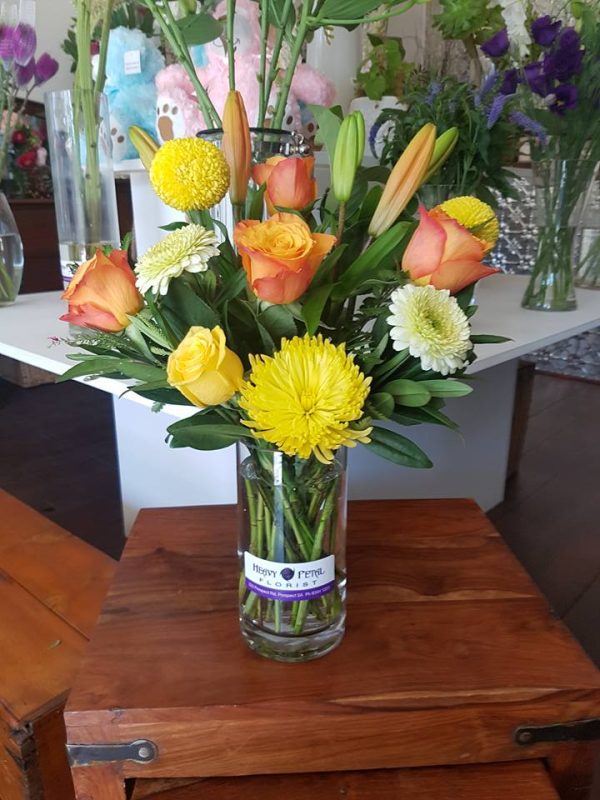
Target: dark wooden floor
57 454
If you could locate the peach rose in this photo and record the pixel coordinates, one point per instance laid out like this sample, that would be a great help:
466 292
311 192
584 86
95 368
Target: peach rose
102 293
289 182
444 254
280 256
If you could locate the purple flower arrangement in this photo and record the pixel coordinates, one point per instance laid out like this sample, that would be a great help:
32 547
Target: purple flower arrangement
20 73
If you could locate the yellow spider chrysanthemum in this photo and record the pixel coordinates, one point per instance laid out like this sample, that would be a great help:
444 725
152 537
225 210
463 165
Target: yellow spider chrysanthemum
474 215
189 174
304 398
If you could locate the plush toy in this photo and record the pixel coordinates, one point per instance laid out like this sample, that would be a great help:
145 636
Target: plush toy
177 107
133 61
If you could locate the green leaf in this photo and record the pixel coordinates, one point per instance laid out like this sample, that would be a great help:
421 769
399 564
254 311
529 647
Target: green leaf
441 388
232 286
368 262
199 28
313 307
173 226
190 308
394 447
256 202
142 372
408 393
206 431
428 415
347 9
327 266
390 366
91 366
279 322
329 127
483 338
380 405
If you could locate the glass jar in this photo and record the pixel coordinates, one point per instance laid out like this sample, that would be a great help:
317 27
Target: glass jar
11 254
292 551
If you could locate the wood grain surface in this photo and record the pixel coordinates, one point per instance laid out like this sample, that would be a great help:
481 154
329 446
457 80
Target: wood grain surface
521 781
449 648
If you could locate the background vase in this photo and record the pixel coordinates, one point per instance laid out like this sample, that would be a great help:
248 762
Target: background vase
560 186
587 240
515 251
83 179
292 551
11 254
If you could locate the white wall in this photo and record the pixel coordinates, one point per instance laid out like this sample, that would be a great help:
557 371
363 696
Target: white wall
53 18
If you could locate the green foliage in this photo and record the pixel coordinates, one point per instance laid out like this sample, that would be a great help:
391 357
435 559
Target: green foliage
384 70
468 19
200 28
478 163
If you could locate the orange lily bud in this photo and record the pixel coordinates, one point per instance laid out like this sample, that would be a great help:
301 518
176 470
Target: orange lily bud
237 146
404 180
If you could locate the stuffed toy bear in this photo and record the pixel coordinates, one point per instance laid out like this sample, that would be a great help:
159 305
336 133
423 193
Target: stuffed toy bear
133 62
177 107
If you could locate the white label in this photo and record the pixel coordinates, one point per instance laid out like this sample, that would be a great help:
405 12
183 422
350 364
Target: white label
132 62
289 582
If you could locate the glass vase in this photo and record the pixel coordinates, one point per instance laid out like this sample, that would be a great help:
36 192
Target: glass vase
266 143
292 552
11 255
560 186
82 175
587 240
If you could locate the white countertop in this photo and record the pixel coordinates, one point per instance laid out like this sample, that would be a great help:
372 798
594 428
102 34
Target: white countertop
30 330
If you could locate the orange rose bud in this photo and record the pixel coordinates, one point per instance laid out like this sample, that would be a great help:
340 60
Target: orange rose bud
102 293
289 182
237 146
280 256
444 254
404 180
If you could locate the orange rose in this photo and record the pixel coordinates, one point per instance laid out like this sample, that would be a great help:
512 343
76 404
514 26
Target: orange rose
290 182
280 256
102 293
444 254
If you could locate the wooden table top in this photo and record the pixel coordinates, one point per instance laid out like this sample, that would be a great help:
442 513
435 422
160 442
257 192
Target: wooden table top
449 647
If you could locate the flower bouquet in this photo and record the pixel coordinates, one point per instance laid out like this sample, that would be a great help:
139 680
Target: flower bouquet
322 323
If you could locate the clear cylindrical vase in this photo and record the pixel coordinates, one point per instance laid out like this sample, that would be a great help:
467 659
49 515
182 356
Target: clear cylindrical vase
560 186
292 551
11 254
587 240
82 175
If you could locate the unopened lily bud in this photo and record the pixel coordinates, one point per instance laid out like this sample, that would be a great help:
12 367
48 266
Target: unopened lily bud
404 180
237 146
145 145
348 156
444 145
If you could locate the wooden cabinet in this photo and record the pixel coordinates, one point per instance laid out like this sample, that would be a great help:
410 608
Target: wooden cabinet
450 650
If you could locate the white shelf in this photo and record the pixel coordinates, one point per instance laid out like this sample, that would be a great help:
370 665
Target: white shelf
29 329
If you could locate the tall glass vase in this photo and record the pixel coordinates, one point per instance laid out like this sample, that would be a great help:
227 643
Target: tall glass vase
587 240
82 175
11 255
560 186
292 552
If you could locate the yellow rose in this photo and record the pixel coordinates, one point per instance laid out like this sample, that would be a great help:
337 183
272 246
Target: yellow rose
204 369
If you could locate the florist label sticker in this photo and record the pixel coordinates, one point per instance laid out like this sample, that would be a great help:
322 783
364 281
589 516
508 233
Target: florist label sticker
289 582
132 62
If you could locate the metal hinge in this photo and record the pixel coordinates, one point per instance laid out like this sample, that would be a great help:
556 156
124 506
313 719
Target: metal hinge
141 751
583 730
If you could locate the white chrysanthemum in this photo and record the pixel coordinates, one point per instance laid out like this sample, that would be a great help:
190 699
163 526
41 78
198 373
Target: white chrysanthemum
431 324
188 249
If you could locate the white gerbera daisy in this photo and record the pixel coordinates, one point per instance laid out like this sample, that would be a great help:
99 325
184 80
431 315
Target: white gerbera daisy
431 324
188 249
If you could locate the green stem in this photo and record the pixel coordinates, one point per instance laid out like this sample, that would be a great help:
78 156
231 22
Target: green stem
231 42
104 37
274 68
262 71
299 39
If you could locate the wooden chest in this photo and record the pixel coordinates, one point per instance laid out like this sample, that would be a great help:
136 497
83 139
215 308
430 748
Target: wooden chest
51 589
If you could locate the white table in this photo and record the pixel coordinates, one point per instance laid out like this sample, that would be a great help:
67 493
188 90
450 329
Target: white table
471 464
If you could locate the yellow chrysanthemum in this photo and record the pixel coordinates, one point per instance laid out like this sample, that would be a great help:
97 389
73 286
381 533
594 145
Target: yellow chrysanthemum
189 174
304 398
474 215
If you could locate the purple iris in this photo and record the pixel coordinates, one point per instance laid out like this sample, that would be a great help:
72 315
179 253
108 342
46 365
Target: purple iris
46 67
536 78
25 42
510 81
566 59
23 75
7 43
545 30
497 45
565 98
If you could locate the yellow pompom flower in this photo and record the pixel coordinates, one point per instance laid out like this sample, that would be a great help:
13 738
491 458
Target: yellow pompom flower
189 174
304 398
474 215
